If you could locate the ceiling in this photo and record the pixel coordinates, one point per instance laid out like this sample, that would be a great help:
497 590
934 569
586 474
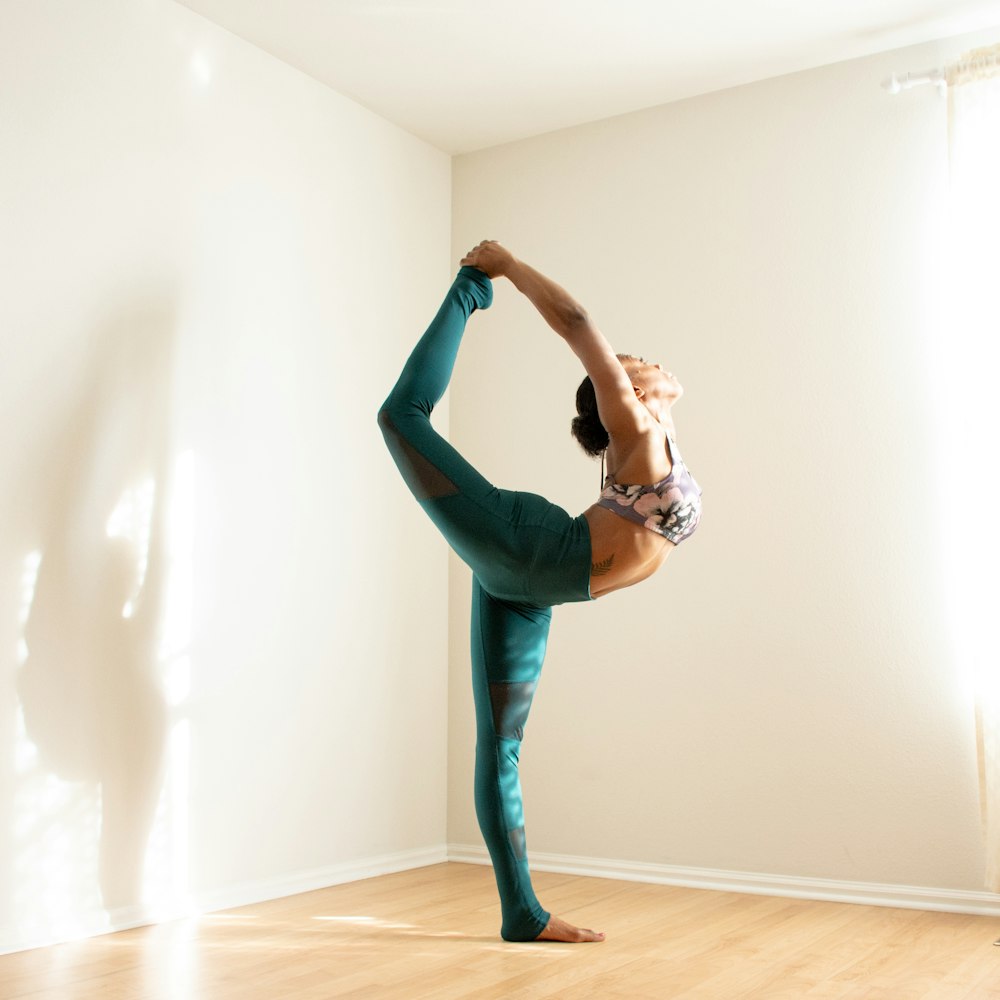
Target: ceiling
467 74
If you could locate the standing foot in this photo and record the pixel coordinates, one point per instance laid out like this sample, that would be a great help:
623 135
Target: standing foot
559 930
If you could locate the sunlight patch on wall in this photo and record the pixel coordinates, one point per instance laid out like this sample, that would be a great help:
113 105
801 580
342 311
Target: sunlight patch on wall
168 860
56 864
132 521
56 892
201 69
85 860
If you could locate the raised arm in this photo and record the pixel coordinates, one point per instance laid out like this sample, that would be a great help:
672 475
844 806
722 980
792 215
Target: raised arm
617 405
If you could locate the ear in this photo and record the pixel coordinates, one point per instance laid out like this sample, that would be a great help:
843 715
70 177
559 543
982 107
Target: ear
639 392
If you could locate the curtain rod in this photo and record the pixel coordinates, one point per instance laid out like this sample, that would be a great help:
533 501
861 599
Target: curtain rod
978 61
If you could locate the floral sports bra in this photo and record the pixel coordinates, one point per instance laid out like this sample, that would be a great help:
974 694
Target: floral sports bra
671 507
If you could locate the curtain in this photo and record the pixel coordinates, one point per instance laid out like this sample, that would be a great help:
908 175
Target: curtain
969 407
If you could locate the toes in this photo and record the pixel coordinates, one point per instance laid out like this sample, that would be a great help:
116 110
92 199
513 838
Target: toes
560 930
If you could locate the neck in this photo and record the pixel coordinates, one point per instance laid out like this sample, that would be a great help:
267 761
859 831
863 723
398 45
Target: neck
662 414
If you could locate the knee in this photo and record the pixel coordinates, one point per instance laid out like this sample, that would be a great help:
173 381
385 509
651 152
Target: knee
399 410
423 478
384 418
390 416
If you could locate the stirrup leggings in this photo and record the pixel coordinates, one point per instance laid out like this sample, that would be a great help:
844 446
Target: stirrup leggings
526 555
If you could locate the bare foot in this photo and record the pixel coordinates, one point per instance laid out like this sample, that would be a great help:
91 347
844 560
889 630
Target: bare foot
559 930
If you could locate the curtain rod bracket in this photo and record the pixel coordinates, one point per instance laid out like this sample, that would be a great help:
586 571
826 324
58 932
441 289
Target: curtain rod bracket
895 84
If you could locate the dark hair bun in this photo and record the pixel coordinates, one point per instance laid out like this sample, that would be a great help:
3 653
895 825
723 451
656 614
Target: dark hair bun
587 427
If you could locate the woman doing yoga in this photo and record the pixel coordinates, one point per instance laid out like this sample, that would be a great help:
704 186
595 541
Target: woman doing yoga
527 554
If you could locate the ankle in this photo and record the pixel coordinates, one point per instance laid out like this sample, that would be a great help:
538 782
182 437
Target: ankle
478 284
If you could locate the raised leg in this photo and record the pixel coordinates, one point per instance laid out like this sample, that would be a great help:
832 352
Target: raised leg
429 465
521 546
478 520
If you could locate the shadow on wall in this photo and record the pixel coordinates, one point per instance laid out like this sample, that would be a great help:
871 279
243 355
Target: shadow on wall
89 686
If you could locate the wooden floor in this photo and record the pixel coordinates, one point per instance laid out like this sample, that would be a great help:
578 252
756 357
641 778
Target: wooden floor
431 933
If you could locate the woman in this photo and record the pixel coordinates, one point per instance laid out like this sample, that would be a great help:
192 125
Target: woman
527 554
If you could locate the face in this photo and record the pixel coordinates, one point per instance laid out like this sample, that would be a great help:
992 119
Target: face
657 386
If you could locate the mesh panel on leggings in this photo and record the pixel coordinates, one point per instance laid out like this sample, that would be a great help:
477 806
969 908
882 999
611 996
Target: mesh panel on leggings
424 480
511 704
518 843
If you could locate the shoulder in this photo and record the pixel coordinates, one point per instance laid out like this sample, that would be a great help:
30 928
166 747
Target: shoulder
638 453
619 410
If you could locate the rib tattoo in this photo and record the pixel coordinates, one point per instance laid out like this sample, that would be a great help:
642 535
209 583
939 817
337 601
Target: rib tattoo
604 566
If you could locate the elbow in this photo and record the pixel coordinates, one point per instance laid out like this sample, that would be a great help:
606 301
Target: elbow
573 319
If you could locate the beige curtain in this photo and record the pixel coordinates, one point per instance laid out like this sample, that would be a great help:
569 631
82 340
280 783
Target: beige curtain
971 344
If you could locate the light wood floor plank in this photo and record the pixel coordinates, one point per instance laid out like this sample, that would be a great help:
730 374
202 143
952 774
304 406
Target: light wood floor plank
432 934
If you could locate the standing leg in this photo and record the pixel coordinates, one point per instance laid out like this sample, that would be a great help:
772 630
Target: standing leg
508 647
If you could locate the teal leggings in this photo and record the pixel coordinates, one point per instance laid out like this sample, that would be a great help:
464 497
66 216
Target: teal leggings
526 554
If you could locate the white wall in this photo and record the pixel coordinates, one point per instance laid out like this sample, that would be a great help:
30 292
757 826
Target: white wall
212 268
783 697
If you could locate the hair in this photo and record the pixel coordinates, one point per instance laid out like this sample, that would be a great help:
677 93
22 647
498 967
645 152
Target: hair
587 427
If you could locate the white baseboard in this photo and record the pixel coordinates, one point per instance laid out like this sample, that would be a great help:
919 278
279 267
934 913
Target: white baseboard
320 878
14 937
828 890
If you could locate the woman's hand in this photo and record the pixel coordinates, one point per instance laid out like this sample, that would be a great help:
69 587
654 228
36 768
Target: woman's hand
490 257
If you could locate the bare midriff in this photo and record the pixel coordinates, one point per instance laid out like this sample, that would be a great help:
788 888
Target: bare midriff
622 553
